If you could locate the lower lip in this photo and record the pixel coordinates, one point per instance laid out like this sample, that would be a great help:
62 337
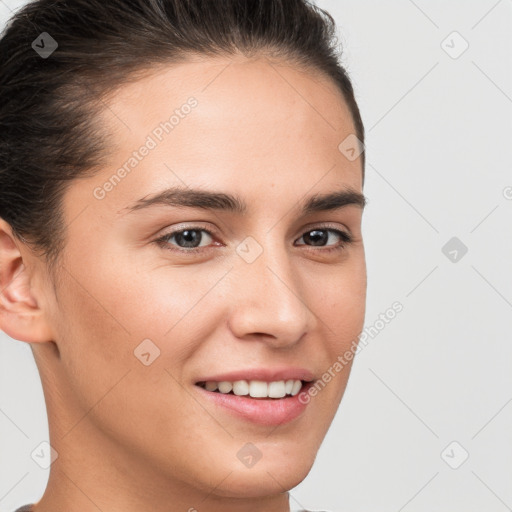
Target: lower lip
262 411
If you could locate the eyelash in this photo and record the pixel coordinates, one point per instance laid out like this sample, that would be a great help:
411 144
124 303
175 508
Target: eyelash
345 240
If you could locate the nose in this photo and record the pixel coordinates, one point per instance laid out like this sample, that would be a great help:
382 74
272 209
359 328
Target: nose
269 303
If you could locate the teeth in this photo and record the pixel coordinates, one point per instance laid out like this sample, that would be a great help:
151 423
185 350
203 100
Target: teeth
225 387
296 387
277 389
210 386
241 387
256 388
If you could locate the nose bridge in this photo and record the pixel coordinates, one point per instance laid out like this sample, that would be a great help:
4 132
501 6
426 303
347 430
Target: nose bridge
269 299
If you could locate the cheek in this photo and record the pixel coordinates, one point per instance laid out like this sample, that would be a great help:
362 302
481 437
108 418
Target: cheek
342 304
107 375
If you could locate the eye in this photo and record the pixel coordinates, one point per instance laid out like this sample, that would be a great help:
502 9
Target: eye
192 239
186 239
319 237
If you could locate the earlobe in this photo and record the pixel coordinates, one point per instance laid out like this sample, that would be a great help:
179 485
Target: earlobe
21 317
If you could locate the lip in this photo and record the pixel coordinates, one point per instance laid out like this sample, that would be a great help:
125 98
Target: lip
260 411
264 374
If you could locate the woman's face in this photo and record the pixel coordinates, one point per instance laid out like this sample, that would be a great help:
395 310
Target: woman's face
253 284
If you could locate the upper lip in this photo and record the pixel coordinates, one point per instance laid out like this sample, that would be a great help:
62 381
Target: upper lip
263 374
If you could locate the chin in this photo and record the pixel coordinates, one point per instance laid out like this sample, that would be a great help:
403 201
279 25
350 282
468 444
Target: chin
266 478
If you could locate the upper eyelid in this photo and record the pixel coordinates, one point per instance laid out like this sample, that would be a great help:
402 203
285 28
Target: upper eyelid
310 227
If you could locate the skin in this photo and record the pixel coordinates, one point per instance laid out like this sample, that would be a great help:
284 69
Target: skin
132 437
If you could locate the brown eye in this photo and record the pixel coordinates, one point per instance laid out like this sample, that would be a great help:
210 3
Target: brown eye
190 238
320 237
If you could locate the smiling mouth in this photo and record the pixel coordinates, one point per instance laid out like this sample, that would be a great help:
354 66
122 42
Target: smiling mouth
260 402
256 389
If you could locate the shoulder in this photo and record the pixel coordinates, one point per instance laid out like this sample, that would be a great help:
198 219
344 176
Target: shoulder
25 508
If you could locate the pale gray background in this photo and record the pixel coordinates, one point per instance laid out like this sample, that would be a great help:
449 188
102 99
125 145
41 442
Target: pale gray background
439 139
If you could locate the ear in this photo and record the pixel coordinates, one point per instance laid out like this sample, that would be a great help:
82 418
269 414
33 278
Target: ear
21 316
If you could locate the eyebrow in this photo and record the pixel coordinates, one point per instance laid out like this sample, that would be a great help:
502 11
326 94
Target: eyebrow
209 200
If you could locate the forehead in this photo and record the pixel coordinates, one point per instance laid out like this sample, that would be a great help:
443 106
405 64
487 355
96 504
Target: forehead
250 101
255 124
228 82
